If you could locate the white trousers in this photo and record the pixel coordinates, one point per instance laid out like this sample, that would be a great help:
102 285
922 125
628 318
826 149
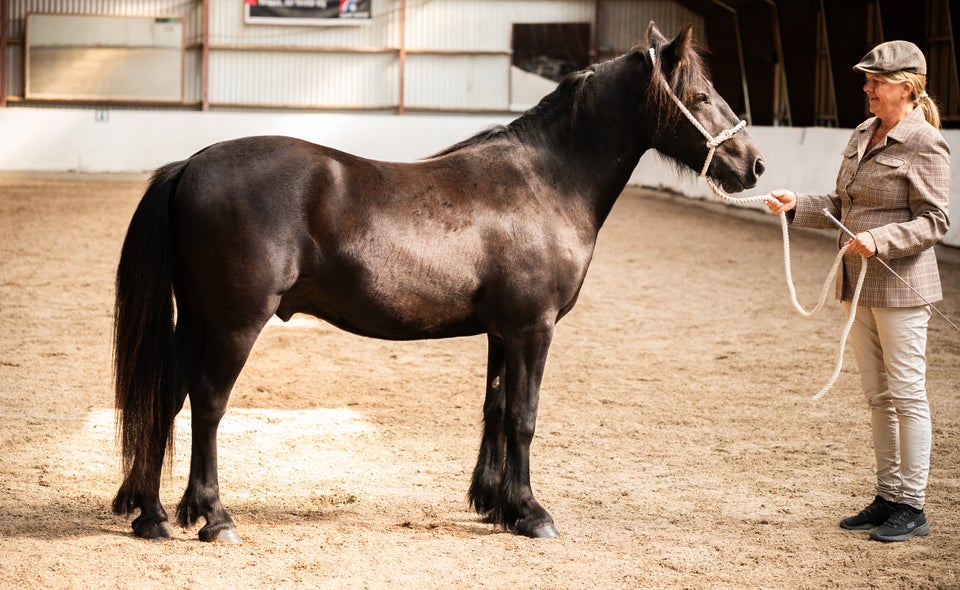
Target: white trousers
890 347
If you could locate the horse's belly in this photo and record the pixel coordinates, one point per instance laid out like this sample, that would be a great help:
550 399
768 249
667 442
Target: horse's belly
395 313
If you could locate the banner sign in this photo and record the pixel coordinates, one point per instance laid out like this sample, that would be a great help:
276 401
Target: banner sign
306 12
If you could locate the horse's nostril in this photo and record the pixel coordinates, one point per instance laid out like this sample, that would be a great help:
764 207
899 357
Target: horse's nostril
758 166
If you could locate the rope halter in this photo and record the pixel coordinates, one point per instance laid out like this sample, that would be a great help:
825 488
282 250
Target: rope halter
712 141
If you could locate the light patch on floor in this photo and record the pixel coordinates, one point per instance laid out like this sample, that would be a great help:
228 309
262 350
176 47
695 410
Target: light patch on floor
297 321
261 450
330 421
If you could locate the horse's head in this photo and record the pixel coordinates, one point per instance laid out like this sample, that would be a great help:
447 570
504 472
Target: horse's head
678 77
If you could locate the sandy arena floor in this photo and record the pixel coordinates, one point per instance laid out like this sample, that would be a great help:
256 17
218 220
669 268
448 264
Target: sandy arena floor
677 446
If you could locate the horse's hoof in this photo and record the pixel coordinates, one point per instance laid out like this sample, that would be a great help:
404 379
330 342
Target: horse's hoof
158 531
544 530
220 534
228 537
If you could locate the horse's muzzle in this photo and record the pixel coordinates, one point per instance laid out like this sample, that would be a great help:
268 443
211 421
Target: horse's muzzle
741 180
748 179
758 168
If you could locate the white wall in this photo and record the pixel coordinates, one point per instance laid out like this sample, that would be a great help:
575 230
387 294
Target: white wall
136 141
801 159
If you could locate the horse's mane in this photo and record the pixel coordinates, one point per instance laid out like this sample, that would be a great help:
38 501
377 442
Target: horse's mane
562 105
567 98
481 137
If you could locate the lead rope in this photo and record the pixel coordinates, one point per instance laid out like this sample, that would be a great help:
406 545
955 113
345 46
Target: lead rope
824 292
712 144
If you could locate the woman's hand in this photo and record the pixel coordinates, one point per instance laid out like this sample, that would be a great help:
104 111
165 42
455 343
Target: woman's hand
863 244
785 201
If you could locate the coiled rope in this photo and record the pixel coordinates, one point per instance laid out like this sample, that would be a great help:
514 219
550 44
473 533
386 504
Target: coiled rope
712 143
824 292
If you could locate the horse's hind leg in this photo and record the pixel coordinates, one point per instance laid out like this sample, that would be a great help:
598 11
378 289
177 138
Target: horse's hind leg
141 488
488 474
152 521
224 355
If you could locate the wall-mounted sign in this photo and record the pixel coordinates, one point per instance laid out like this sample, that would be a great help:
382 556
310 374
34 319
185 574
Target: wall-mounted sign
306 12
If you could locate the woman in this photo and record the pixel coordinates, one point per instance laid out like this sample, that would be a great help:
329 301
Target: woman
892 192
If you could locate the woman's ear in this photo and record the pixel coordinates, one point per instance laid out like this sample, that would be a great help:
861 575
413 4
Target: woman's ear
907 89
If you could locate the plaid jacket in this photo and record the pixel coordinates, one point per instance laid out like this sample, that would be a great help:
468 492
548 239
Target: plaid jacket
900 193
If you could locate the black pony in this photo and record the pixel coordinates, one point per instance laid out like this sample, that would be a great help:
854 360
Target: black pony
490 236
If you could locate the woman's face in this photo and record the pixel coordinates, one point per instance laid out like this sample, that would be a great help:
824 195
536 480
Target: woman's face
887 99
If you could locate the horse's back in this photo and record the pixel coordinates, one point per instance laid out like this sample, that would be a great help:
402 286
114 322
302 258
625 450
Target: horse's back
279 225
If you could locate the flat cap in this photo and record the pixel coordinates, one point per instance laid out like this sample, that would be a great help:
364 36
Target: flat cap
893 56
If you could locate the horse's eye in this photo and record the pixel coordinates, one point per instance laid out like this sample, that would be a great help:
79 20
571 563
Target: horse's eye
701 98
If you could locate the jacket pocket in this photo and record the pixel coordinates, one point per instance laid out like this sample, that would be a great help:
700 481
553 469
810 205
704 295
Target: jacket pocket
890 161
848 167
882 182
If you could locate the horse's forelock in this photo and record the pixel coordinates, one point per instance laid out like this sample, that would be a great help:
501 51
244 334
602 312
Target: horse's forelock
659 101
688 74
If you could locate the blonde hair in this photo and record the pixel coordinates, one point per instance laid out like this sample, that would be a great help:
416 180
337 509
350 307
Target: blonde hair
919 95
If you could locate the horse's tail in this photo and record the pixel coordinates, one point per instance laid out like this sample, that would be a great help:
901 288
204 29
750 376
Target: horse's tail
143 341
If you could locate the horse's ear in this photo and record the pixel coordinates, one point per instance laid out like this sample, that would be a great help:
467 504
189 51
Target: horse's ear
682 45
678 53
654 37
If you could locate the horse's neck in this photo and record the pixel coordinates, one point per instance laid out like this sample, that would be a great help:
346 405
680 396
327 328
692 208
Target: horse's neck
598 176
589 144
599 152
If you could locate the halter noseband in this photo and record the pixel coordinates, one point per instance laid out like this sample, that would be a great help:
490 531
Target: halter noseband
712 141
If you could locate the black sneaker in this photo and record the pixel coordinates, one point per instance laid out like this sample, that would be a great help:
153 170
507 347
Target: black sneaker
870 517
907 522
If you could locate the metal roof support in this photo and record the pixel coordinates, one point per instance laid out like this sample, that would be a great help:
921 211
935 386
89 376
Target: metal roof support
743 70
595 35
3 53
205 58
781 72
402 57
831 90
953 44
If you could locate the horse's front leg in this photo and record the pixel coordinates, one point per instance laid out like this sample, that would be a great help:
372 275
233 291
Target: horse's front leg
526 355
488 474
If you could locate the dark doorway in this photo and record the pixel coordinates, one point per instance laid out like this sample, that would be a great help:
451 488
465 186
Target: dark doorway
551 50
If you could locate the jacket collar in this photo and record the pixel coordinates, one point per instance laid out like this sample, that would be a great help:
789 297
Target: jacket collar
902 130
899 132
